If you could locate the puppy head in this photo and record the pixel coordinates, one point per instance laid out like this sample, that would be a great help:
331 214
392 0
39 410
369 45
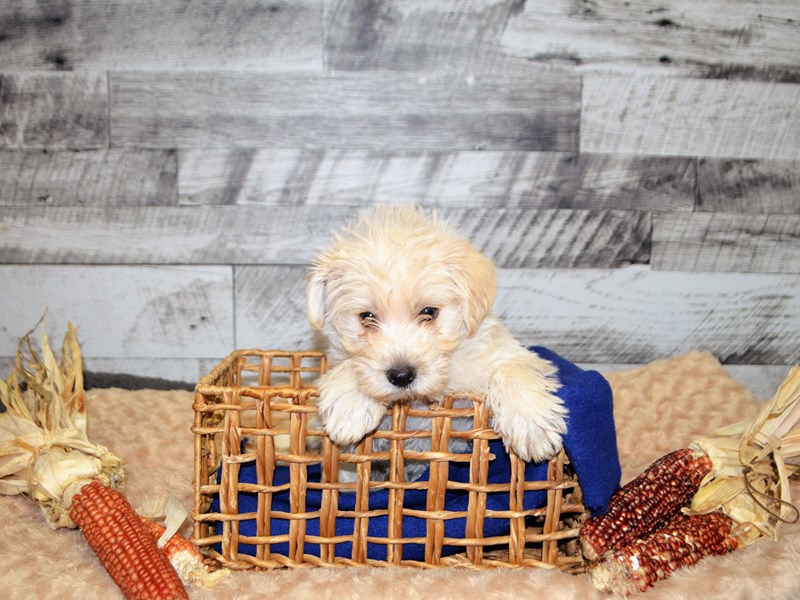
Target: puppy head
397 293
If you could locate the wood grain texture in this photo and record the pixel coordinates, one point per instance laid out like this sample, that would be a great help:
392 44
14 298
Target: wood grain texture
122 312
754 243
54 110
375 110
91 177
290 235
636 315
753 186
271 309
557 238
690 117
162 35
163 235
458 179
631 315
416 35
730 40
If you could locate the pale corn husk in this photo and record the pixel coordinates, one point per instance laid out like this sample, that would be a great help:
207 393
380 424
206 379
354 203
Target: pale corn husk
752 462
45 453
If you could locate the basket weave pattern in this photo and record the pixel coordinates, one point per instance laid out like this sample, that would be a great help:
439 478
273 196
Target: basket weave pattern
266 400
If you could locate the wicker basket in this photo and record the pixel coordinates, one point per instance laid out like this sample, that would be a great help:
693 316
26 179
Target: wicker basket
255 409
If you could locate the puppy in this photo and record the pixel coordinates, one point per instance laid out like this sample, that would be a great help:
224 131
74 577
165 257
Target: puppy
405 305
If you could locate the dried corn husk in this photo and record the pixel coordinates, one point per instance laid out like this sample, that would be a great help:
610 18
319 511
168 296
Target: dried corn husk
752 463
44 449
45 454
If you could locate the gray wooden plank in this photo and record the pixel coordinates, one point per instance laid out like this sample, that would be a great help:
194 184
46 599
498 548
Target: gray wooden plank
164 234
557 238
632 315
751 186
465 178
169 35
755 243
90 177
271 309
414 35
690 117
292 235
374 110
122 312
729 40
63 110
635 315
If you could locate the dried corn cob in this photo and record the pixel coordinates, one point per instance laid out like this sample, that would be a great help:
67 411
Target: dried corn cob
682 542
645 503
742 496
122 544
46 455
184 557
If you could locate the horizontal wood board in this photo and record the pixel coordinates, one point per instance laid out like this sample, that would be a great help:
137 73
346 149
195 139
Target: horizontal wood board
733 39
690 117
376 110
588 315
745 40
291 235
164 35
749 186
753 243
123 312
418 35
340 177
88 178
458 179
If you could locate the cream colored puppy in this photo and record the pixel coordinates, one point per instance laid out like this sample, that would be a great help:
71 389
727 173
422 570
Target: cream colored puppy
405 304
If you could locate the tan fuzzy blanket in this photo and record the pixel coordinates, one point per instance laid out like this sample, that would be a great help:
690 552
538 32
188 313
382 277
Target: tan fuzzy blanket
660 407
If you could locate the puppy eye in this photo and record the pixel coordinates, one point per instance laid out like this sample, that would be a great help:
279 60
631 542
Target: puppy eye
429 313
368 319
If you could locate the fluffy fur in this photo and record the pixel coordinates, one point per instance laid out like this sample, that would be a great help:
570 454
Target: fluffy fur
405 304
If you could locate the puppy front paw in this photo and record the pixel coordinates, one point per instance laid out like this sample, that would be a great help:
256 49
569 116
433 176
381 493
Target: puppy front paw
532 442
346 414
529 417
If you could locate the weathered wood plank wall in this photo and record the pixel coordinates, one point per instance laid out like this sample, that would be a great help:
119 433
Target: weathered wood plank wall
168 169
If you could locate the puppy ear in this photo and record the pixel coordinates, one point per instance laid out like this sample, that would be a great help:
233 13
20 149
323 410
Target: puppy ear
479 287
315 299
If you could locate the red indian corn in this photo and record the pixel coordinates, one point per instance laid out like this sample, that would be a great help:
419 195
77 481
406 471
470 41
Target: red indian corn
645 503
126 550
185 557
682 542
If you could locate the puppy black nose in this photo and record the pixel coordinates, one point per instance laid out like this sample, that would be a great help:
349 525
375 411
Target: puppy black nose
401 377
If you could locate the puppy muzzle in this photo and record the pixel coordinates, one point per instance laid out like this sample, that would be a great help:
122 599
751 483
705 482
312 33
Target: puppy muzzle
401 377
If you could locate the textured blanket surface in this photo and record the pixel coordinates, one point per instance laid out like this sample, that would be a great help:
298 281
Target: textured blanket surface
658 408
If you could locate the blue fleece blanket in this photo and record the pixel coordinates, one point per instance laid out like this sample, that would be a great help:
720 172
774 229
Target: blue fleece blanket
590 442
